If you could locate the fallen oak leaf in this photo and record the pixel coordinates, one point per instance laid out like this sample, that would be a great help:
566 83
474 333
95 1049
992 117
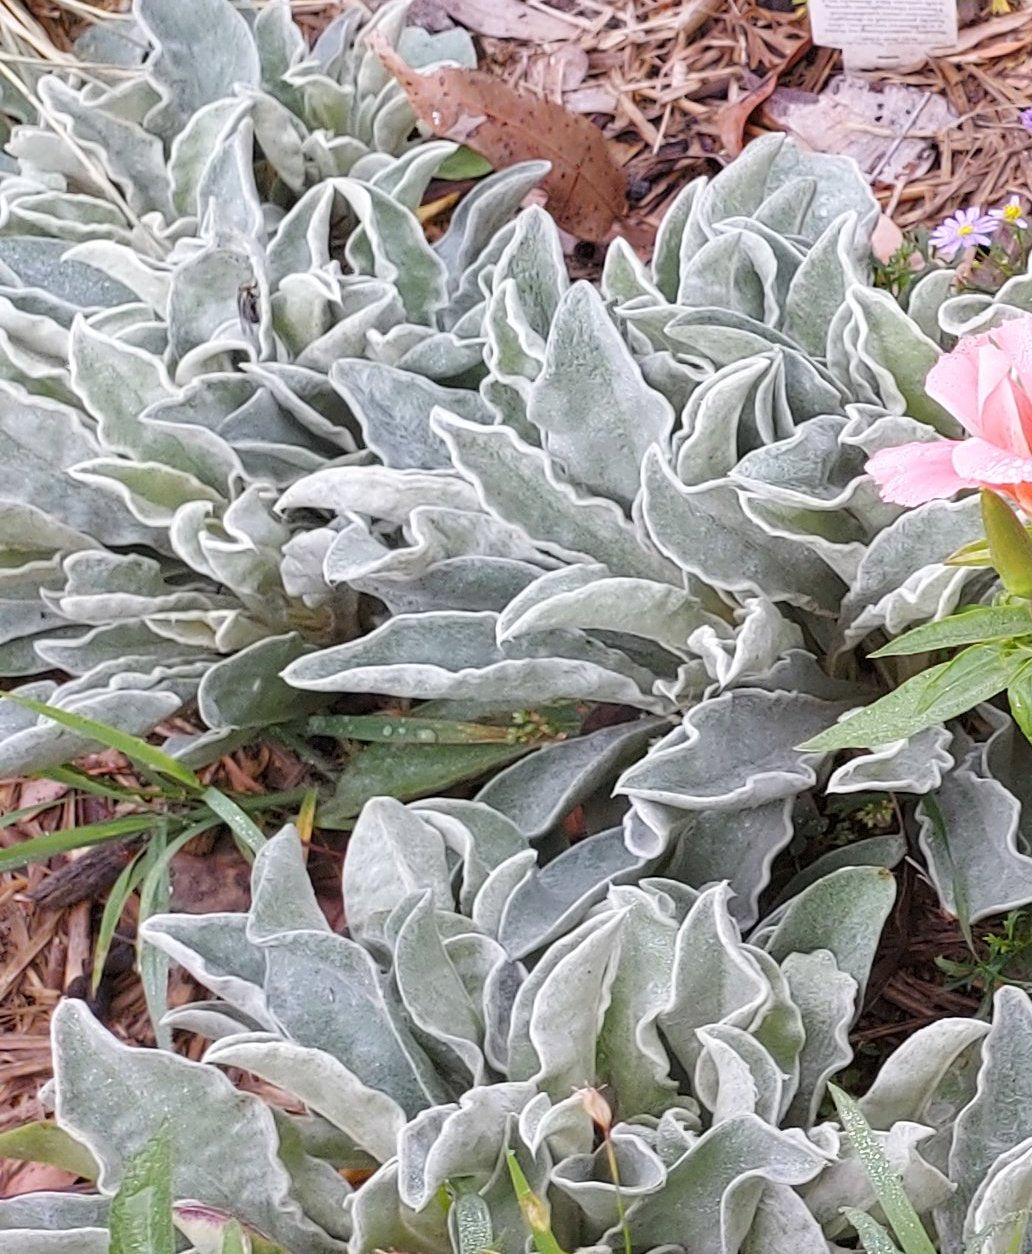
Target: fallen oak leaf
586 190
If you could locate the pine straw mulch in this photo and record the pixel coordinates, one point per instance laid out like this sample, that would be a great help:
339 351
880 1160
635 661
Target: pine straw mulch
677 86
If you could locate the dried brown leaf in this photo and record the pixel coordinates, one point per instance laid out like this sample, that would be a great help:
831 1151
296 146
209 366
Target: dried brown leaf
735 115
586 191
510 19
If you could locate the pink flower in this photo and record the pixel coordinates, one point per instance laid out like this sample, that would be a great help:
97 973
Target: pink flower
966 227
986 383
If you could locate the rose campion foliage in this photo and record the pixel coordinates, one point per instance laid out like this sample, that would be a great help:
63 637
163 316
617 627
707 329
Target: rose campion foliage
986 383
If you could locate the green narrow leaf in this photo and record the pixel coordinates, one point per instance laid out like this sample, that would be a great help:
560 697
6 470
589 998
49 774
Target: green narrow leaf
1009 543
82 782
141 1210
888 1187
28 812
45 1142
243 828
153 964
235 1240
53 843
1019 694
135 749
974 675
971 626
873 1237
464 163
122 889
534 1209
385 727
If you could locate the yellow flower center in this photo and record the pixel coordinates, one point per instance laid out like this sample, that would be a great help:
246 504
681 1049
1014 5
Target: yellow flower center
966 229
1011 213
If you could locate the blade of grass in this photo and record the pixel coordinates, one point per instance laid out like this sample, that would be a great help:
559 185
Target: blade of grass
82 782
153 965
135 749
45 1142
28 812
75 838
121 890
533 1209
887 1185
243 828
873 1237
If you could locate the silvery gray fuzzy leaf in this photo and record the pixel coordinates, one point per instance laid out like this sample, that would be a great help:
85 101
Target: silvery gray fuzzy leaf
447 1021
81 652
736 269
555 897
204 300
723 417
810 468
125 151
713 1190
128 274
899 355
925 302
318 1186
280 45
53 1211
760 184
400 253
538 792
227 195
46 744
587 597
225 1152
186 81
783 1224
393 851
716 978
828 1000
215 950
371 1118
586 1180
735 1075
591 384
625 276
282 897
533 262
901 579
670 253
843 912
482 215
394 409
454 655
910 766
819 286
378 491
476 835
379 1219
914 1082
245 690
738 846
37 262
734 751
708 533
846 1182
518 483
997 1118
633 1064
559 1009
102 586
969 837
211 1019
150 490
324 991
71 1241
991 1221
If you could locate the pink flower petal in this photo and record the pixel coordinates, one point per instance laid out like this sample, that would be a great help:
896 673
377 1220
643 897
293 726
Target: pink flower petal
978 460
911 474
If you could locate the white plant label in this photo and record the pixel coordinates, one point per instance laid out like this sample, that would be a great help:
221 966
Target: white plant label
873 33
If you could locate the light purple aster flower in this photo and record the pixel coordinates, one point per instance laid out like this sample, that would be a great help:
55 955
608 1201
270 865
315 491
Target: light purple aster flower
1010 213
1025 118
966 227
